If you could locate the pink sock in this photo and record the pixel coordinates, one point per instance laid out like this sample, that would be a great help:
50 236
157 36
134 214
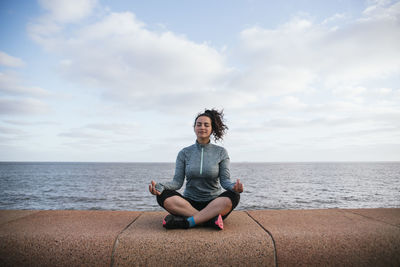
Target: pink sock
219 222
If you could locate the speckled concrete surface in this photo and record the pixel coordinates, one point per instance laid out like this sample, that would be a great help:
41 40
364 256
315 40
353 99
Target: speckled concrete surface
332 237
365 237
241 243
62 238
11 215
390 216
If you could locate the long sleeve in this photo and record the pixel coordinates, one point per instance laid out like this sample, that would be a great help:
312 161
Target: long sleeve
179 176
224 172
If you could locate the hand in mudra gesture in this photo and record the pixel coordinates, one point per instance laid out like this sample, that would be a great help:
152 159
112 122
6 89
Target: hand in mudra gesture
238 187
153 190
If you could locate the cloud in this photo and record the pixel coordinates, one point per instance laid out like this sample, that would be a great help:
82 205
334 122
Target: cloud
19 99
30 123
381 9
22 106
335 18
360 51
101 133
16 97
321 81
116 128
11 84
10 61
81 135
140 62
144 69
291 103
10 135
303 76
11 131
67 11
336 121
48 29
132 64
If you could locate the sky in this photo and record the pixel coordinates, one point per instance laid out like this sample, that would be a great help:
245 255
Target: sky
122 81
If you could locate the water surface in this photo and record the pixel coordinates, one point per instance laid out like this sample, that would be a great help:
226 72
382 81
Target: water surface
124 186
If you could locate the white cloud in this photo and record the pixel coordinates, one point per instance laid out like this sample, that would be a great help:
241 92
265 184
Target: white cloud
11 131
22 106
66 11
360 51
30 123
301 81
133 64
48 29
384 91
102 132
19 99
10 61
116 128
291 102
381 9
349 91
11 84
334 18
76 134
44 32
336 100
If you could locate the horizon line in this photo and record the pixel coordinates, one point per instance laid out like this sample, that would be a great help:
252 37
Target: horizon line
320 161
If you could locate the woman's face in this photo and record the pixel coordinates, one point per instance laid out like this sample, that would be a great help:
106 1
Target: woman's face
203 128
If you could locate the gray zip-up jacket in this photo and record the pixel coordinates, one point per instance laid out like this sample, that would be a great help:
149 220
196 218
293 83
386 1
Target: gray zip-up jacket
205 167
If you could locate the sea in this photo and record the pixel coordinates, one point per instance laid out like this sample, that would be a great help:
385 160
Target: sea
124 186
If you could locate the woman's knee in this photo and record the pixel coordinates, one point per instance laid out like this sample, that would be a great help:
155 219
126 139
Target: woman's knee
232 200
166 194
234 197
225 205
171 202
227 202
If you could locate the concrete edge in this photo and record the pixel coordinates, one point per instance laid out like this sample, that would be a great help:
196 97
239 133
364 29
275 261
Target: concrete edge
117 237
371 217
269 234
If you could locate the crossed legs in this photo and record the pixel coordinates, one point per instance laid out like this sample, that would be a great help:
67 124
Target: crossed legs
180 206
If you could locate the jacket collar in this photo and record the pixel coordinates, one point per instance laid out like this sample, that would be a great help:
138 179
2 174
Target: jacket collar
203 145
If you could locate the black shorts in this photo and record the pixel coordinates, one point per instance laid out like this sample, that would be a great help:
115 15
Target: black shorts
199 205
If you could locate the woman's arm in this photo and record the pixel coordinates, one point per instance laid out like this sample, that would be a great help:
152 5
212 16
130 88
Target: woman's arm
225 175
224 172
179 176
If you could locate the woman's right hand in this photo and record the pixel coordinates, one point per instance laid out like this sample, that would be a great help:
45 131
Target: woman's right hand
153 190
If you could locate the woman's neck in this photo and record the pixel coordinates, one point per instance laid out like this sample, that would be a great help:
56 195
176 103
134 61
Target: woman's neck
203 141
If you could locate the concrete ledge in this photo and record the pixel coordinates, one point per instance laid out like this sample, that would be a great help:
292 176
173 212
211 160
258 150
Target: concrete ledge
334 237
363 237
60 238
241 243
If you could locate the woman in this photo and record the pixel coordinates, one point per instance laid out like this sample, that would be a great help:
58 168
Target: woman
206 168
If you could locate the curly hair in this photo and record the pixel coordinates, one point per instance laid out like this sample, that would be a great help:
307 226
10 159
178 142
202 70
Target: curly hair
219 128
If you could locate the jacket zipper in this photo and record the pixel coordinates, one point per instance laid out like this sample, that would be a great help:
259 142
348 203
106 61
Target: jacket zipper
201 161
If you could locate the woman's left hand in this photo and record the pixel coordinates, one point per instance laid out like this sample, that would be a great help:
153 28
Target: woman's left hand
238 187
